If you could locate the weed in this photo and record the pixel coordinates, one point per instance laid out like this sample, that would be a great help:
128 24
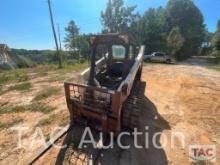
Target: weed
40 107
57 78
35 107
63 122
46 93
216 67
42 74
1 90
44 69
12 109
47 138
44 122
199 163
75 67
18 75
21 75
20 87
10 124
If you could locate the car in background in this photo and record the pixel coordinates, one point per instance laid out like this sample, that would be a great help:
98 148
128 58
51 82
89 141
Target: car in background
158 57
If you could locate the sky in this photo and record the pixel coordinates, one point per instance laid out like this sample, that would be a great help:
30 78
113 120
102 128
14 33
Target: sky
26 23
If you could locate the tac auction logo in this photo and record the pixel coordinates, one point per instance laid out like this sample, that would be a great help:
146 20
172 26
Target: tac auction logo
202 153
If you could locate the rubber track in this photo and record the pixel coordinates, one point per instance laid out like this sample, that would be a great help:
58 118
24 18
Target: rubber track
132 107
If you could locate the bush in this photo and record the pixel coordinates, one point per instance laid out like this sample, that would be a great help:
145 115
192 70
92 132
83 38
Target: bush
23 61
6 66
217 55
216 41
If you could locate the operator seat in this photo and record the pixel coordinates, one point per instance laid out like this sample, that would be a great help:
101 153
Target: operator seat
116 69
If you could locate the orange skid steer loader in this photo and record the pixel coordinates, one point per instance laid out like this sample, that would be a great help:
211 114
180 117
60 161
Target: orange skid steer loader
98 100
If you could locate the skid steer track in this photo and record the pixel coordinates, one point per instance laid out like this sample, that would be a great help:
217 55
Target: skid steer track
131 109
80 156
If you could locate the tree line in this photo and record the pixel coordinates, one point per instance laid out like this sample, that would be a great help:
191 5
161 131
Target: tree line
177 29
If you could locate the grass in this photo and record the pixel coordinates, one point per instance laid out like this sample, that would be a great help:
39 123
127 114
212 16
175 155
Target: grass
46 93
44 122
47 138
21 87
199 163
63 122
34 107
42 74
12 76
10 124
12 109
1 90
22 75
40 107
75 66
43 70
57 78
216 67
18 87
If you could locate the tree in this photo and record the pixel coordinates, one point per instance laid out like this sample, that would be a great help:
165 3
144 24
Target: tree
175 41
206 47
116 17
216 38
216 44
136 30
216 41
150 30
185 15
72 34
84 47
218 26
76 42
154 30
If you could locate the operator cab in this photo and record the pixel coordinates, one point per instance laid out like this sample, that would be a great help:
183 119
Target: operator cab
118 55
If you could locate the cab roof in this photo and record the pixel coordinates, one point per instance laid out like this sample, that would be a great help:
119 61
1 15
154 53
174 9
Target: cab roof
111 38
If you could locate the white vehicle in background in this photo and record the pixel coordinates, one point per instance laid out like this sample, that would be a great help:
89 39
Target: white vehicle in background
158 57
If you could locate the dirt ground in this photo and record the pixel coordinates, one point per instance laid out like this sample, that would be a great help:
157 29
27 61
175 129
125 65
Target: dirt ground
181 100
188 100
178 99
11 150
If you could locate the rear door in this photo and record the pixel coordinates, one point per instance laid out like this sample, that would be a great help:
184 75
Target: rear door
159 57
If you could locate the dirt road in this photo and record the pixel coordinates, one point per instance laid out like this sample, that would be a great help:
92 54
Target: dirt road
182 99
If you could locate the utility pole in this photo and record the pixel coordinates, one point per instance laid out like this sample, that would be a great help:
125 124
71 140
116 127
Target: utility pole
58 29
54 34
61 52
